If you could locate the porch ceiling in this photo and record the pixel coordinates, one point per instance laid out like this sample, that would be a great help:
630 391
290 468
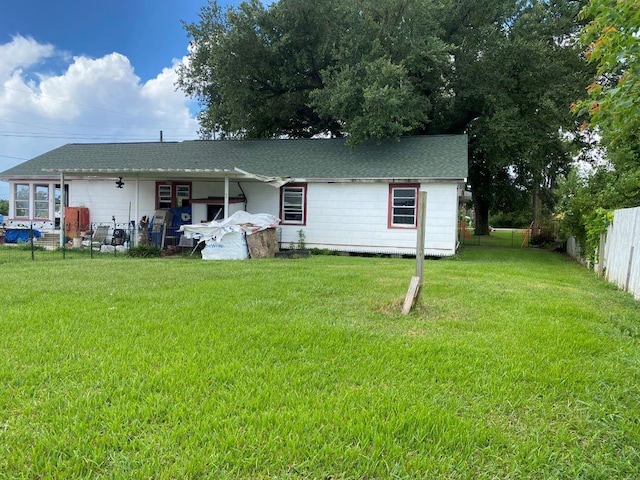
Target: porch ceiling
147 173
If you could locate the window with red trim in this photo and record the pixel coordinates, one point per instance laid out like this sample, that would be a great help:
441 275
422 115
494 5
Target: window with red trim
403 205
293 204
173 195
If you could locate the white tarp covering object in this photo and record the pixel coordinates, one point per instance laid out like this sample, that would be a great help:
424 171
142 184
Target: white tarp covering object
225 240
232 246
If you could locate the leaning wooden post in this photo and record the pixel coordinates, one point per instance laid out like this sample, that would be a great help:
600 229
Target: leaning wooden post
415 286
422 208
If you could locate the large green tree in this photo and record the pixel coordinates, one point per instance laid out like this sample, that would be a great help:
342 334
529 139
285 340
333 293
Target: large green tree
300 68
252 69
612 37
612 43
517 66
505 72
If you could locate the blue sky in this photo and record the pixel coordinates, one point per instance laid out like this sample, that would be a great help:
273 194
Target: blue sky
83 71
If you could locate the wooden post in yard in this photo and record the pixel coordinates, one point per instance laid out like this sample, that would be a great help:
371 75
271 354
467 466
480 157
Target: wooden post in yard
63 204
415 286
603 239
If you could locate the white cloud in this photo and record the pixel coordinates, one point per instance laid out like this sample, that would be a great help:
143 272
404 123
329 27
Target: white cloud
166 100
22 52
106 82
87 100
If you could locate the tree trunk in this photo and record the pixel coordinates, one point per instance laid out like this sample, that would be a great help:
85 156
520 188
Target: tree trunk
535 206
481 210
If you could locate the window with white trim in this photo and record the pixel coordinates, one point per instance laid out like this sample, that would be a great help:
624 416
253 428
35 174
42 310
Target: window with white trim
183 195
403 205
21 200
293 203
164 196
41 201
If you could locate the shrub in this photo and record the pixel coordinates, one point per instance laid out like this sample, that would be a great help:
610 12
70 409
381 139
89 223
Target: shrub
144 251
510 219
544 238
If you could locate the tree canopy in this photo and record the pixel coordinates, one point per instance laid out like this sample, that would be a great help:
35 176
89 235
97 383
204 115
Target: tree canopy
300 68
612 42
612 38
505 72
517 69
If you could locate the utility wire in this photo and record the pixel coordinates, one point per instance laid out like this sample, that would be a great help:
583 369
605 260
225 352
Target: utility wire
15 158
45 126
81 136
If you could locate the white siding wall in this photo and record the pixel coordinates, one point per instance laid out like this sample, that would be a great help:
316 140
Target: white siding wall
340 216
354 217
262 198
105 201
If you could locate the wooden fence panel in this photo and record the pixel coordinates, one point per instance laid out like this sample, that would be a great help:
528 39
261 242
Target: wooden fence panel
573 249
622 251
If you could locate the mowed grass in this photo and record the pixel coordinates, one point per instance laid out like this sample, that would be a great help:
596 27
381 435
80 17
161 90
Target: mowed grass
515 364
499 237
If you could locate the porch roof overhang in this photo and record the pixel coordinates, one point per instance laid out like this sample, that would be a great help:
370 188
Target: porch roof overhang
235 174
141 171
238 173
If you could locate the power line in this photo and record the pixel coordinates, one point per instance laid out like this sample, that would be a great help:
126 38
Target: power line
78 136
46 125
15 158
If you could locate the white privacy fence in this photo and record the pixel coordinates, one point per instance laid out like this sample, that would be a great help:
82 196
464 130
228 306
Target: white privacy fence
573 248
620 251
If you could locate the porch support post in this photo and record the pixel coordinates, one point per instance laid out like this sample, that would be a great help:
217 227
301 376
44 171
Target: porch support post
136 231
63 204
226 197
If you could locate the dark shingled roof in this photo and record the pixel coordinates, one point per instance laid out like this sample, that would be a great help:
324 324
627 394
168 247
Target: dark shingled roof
418 157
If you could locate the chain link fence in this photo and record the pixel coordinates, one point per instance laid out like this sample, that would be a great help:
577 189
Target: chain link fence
40 242
499 237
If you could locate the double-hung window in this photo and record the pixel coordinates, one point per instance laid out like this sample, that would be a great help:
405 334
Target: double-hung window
21 200
173 195
403 205
164 196
41 201
293 204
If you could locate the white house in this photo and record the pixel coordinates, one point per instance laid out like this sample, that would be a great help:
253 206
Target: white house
354 200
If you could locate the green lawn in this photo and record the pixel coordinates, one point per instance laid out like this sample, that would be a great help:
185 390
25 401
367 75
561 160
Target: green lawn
516 364
500 237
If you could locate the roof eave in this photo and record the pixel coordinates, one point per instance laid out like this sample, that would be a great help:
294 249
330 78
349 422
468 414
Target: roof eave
136 170
382 179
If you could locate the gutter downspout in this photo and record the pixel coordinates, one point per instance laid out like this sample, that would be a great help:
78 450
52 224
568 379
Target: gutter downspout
226 197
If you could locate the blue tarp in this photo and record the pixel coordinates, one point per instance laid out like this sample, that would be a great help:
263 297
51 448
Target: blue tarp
17 235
